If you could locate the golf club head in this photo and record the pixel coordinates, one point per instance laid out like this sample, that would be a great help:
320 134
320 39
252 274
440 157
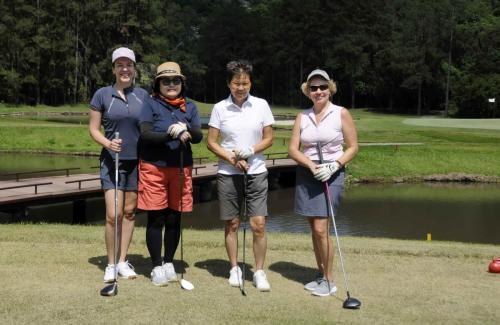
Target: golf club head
351 303
110 290
186 285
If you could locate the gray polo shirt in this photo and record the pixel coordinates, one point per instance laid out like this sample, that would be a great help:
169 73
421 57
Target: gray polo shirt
121 116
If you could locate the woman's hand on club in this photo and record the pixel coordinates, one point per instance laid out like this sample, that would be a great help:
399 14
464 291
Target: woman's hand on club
175 130
244 153
325 171
185 137
242 165
115 145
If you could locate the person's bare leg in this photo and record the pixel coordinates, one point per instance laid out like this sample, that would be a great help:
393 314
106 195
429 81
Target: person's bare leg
231 240
128 223
258 225
324 243
109 230
315 245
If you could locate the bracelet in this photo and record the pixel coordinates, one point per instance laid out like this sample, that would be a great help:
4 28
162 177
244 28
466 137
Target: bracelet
340 164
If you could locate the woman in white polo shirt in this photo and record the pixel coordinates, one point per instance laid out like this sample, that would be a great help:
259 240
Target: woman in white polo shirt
244 125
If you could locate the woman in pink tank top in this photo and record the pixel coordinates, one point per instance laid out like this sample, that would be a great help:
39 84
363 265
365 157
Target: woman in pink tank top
332 127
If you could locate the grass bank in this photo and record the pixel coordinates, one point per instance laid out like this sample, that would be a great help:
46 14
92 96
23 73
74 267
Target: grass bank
51 274
392 148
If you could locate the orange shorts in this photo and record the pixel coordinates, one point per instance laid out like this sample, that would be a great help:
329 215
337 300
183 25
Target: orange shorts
159 188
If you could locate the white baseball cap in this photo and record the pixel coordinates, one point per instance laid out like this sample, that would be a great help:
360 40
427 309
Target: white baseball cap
318 72
123 52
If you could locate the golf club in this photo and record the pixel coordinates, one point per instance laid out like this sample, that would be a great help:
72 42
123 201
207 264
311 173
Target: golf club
244 219
185 284
112 289
349 303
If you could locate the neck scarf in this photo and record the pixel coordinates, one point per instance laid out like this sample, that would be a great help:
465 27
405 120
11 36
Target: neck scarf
177 102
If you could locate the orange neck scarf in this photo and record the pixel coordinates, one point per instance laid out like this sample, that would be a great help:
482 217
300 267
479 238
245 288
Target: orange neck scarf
177 102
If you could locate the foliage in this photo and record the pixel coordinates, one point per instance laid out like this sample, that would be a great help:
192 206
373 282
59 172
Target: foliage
385 54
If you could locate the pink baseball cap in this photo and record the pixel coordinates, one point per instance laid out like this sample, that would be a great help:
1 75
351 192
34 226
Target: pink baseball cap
123 52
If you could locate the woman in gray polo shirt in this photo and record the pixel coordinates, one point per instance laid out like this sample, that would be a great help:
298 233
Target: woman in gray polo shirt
116 108
244 124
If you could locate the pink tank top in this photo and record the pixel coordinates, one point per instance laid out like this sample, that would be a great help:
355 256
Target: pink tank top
328 132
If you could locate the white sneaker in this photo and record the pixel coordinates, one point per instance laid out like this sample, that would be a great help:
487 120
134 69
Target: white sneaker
260 281
235 279
158 276
126 270
170 272
109 273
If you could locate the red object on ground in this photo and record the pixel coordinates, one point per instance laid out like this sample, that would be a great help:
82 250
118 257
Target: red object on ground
494 266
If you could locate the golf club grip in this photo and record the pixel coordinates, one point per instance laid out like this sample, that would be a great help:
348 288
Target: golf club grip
320 154
117 136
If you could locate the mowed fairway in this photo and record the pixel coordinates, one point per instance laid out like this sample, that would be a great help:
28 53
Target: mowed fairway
487 124
51 274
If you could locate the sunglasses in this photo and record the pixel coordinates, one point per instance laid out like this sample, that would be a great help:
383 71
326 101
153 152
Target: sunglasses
320 87
170 81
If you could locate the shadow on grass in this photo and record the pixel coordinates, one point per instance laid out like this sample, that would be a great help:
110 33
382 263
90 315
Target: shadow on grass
220 268
142 264
294 272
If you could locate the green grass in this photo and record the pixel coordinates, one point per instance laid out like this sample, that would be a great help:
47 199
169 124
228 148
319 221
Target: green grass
43 108
442 150
51 274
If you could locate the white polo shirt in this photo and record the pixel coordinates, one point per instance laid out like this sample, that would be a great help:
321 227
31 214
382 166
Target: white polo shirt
241 128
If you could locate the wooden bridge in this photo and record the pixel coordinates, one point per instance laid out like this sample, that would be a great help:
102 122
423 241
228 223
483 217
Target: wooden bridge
18 193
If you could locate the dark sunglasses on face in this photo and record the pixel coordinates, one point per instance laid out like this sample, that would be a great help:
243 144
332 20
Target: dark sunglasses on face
170 81
320 87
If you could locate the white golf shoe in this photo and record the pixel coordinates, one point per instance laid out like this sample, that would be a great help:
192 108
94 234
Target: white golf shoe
158 276
235 279
126 270
260 281
109 273
170 272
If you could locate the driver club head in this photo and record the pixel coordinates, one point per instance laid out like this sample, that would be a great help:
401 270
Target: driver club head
110 290
351 303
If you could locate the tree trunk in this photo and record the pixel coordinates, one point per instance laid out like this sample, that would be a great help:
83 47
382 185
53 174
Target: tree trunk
447 95
353 94
272 86
39 82
75 91
300 79
419 103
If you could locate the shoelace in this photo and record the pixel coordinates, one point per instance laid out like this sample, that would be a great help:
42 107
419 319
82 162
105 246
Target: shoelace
130 266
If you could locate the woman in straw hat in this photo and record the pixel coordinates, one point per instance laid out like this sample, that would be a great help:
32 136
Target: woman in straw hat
331 126
116 108
169 123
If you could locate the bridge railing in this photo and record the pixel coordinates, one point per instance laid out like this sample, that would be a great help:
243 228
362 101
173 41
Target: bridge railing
19 174
26 185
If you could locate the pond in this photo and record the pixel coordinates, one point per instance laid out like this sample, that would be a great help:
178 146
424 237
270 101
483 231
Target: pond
16 163
465 213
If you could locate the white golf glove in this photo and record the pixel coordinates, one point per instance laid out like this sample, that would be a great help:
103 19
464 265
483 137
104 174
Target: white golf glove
185 137
325 171
175 129
245 153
